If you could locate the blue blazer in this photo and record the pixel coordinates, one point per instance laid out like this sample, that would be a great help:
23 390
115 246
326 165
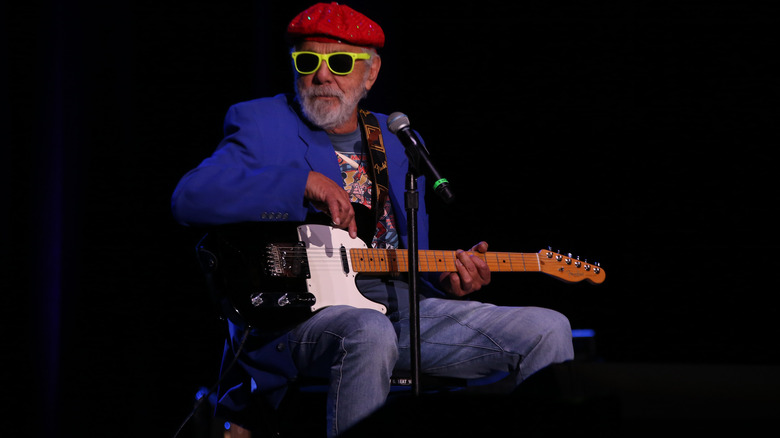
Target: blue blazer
260 168
258 173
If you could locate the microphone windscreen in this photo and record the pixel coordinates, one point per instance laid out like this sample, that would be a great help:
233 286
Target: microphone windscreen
397 121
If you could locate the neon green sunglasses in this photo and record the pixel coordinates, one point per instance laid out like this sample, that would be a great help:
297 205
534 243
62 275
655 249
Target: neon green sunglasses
340 63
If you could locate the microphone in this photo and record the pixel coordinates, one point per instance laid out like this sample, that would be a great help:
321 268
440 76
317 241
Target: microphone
398 124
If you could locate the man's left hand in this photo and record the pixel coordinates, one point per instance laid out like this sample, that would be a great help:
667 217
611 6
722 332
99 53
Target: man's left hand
473 272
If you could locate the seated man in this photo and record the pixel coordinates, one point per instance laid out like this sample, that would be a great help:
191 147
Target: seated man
285 157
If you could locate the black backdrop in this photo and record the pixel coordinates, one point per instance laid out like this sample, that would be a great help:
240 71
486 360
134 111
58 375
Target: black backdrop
637 134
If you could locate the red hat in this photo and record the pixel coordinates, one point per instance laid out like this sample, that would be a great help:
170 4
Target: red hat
336 23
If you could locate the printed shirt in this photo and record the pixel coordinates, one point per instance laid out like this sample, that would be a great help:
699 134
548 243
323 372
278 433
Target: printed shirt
352 158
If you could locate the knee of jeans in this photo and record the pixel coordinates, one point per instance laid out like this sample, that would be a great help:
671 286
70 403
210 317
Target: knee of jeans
559 332
365 326
561 324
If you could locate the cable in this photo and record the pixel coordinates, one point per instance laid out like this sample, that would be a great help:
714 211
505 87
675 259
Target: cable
216 385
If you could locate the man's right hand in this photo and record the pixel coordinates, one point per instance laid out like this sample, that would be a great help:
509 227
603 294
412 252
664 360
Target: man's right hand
330 197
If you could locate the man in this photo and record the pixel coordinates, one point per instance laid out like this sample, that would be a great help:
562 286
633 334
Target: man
283 158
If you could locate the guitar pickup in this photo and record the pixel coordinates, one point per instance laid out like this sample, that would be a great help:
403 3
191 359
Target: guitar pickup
286 260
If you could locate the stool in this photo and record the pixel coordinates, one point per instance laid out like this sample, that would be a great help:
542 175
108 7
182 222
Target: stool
302 412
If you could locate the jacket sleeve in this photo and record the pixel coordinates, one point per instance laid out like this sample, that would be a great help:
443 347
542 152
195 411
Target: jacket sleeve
257 172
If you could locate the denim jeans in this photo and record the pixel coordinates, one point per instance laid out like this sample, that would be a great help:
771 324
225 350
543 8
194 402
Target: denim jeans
358 349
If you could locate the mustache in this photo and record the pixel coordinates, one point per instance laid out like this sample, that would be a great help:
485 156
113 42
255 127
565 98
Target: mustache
323 91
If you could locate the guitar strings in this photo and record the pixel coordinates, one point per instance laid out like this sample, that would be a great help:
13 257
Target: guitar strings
381 261
368 258
333 252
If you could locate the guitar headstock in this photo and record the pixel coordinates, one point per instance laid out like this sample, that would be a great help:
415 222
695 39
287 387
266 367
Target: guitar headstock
571 269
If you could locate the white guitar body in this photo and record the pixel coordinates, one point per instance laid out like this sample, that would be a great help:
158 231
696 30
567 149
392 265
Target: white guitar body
332 280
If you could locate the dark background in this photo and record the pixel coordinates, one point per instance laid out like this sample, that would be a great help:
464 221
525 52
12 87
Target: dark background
641 135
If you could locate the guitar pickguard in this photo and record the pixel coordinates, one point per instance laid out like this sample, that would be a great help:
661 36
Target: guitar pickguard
332 279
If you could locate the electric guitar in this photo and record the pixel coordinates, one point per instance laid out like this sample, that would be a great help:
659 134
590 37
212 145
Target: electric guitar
266 281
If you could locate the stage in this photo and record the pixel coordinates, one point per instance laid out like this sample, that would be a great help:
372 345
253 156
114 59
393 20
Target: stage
637 135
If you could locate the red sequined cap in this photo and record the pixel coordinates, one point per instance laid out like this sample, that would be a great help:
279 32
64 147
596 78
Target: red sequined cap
336 23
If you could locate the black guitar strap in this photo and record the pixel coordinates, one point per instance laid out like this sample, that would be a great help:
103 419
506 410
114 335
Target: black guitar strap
378 160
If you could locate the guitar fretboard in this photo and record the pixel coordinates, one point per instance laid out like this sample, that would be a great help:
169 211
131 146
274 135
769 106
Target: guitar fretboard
396 260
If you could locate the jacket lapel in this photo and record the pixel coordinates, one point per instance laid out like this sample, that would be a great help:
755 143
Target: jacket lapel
320 154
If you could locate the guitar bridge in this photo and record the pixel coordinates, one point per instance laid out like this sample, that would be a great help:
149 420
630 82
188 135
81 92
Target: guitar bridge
285 260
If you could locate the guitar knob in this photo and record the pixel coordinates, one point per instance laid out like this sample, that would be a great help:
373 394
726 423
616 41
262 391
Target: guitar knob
256 299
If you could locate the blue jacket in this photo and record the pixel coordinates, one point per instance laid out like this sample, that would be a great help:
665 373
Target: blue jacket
258 173
259 170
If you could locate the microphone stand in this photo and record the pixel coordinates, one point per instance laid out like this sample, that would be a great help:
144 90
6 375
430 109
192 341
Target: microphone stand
398 124
412 202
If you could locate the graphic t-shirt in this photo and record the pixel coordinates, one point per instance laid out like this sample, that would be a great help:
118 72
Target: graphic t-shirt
353 159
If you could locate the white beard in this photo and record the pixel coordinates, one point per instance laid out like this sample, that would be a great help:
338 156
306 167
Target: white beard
323 113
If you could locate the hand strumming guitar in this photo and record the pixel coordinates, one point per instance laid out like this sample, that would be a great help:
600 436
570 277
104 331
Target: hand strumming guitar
332 199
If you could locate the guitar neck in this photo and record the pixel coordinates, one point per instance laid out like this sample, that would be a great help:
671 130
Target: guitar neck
371 260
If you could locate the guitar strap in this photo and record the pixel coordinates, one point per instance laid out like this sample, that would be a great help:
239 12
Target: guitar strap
378 161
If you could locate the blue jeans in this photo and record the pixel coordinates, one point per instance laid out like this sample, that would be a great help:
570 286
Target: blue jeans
358 349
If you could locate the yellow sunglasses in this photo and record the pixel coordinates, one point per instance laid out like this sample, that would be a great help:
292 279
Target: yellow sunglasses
340 63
